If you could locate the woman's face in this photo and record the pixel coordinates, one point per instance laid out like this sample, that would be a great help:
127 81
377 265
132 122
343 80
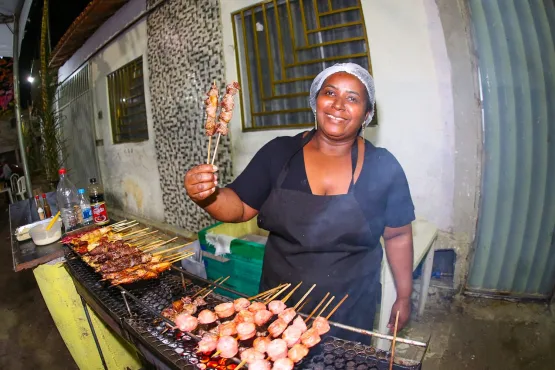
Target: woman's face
341 106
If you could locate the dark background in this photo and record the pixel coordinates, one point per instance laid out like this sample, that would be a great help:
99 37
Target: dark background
62 15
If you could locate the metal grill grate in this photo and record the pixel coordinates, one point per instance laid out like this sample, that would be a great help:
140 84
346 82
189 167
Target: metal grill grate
144 301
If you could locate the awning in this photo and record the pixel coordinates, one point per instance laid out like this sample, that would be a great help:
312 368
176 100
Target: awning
7 11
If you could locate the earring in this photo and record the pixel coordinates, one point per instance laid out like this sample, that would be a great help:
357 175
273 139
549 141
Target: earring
315 122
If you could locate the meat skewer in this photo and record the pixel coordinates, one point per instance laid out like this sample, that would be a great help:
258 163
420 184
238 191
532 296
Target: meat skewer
317 307
226 113
211 104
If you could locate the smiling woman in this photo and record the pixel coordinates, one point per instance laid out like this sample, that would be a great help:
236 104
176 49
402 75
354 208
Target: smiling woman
326 196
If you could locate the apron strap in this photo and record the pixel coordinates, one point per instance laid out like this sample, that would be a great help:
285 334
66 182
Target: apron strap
306 140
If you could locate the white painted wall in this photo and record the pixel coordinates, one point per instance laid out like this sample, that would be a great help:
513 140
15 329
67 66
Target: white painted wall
413 92
129 171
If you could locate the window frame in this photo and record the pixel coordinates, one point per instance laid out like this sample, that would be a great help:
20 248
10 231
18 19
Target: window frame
240 52
114 121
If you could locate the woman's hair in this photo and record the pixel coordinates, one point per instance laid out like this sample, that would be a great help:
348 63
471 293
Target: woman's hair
353 69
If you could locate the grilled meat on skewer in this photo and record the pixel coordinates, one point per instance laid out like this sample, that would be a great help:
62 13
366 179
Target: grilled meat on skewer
211 104
283 364
297 353
227 108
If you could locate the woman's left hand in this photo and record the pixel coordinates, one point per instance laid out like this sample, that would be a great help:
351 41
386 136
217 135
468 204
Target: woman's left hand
403 305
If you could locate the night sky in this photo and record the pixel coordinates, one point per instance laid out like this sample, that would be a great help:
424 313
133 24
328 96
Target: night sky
62 15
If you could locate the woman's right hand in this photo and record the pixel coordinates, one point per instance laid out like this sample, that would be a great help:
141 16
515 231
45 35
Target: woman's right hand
201 181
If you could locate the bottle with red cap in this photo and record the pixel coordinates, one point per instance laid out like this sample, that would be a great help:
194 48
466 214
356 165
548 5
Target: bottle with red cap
68 204
98 205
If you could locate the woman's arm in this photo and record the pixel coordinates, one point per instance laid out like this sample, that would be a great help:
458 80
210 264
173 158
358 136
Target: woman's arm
223 204
399 251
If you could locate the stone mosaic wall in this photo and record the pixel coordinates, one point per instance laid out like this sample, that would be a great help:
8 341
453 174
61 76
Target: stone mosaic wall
185 54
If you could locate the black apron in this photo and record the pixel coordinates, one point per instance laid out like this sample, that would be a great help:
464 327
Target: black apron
323 240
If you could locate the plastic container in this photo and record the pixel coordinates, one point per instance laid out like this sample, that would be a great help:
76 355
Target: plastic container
68 204
243 264
86 211
41 236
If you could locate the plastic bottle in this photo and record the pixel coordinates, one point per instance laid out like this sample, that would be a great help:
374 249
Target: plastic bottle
68 204
47 210
96 196
40 211
86 211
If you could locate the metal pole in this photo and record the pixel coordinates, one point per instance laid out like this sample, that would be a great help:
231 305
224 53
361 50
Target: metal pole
17 104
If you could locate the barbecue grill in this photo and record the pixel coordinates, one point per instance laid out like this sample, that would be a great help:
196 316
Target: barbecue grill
134 311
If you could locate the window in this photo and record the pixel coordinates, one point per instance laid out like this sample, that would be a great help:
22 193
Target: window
282 45
127 103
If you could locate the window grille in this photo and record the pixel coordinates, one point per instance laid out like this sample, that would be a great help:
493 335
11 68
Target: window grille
282 45
127 103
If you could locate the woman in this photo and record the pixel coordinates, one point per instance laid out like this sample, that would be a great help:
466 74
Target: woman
326 196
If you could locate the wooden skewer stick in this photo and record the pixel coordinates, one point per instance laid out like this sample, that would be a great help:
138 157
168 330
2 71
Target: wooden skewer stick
141 236
216 148
143 245
241 364
179 258
144 242
127 227
171 249
326 306
207 287
304 304
171 256
141 231
119 223
394 340
286 298
304 297
216 287
277 294
267 292
337 306
317 307
156 246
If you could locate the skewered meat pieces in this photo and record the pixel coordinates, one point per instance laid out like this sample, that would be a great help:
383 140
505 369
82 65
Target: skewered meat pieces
297 353
207 317
244 316
262 317
250 355
125 262
299 323
288 315
178 305
208 343
321 325
169 313
260 365
211 104
227 108
199 301
277 349
276 307
241 304
283 364
261 344
277 327
224 310
228 347
292 336
256 306
310 338
227 329
186 322
246 330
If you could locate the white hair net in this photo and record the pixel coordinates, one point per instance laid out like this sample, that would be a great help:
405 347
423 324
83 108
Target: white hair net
353 69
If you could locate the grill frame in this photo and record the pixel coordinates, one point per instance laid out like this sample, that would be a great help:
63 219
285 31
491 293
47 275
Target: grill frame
129 311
